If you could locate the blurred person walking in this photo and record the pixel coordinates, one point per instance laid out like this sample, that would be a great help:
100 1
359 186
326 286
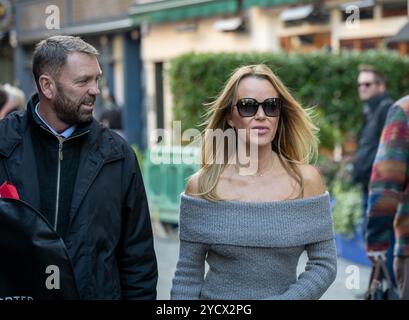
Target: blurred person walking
11 99
388 205
3 100
252 227
373 93
111 117
82 177
16 96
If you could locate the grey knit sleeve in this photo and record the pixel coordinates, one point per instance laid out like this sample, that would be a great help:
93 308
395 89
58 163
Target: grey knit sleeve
188 279
319 274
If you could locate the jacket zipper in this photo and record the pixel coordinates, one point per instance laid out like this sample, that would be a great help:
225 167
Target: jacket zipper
57 200
61 141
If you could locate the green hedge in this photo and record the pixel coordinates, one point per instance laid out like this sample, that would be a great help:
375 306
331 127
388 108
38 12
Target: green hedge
324 80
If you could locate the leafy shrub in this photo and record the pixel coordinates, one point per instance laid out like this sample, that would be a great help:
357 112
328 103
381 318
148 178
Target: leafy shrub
346 197
347 212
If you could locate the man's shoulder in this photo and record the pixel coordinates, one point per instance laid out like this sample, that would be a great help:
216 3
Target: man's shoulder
12 124
11 132
13 120
384 102
381 109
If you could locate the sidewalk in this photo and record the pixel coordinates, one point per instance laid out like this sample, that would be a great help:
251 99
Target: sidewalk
167 250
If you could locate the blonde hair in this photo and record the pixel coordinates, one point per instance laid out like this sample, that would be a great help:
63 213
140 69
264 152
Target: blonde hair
295 141
16 95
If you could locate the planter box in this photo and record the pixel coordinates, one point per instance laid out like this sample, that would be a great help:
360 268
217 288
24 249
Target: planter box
352 249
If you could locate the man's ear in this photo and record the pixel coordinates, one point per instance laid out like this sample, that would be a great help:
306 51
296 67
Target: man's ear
47 85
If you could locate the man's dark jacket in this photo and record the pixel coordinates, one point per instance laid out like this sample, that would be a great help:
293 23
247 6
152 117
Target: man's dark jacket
109 236
375 111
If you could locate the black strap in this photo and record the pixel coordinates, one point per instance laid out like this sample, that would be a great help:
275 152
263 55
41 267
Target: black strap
378 273
385 272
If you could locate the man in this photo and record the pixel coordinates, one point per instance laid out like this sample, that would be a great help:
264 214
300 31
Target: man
388 209
82 177
372 91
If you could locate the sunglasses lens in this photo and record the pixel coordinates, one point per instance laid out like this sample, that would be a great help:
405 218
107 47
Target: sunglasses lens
272 107
247 107
365 84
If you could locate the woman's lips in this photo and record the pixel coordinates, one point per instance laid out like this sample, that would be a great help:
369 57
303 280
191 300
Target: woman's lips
261 130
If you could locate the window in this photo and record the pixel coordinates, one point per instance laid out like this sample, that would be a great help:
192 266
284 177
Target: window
306 42
364 13
306 39
394 8
362 44
347 44
367 44
365 7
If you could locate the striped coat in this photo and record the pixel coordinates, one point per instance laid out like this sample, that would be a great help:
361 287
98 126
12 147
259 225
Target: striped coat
388 204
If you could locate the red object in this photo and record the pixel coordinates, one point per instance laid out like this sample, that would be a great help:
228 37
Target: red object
7 190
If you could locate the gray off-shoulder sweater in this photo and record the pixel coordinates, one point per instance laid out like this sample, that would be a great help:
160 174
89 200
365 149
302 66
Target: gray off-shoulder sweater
252 249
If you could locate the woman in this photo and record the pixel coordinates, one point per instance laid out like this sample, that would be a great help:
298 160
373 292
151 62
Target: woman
251 225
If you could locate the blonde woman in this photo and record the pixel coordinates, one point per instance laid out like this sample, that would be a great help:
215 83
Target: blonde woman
252 225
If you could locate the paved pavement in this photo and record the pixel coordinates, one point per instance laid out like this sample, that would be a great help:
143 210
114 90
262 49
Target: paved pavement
350 283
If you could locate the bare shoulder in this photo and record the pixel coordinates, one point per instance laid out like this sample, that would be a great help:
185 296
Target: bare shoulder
313 183
192 186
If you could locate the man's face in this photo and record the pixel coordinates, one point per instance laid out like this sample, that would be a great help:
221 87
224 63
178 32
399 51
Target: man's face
368 87
77 88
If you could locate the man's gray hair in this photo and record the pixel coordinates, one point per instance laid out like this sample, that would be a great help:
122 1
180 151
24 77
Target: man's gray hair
50 55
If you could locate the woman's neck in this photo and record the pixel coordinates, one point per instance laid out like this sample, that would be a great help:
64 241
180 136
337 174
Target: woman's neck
260 163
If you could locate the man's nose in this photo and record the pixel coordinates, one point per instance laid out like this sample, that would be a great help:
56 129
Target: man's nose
94 90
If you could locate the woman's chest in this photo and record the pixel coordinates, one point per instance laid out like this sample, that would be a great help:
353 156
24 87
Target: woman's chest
257 189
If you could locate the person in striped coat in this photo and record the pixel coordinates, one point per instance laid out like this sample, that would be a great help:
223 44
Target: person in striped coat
388 205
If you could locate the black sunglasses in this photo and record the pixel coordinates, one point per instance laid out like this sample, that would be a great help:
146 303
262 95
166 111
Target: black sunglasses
366 84
248 107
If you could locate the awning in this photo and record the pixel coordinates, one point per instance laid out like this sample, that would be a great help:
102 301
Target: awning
81 30
268 3
401 36
298 13
226 25
174 10
360 4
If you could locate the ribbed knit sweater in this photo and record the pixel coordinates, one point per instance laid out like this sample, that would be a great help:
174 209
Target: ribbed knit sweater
253 248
